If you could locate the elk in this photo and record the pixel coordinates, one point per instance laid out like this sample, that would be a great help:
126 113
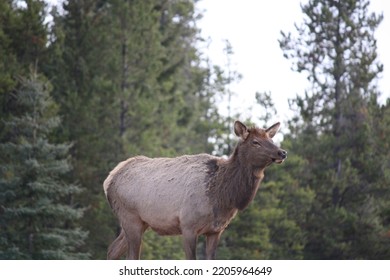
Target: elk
190 195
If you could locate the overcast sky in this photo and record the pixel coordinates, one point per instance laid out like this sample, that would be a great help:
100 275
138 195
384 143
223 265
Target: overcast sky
253 29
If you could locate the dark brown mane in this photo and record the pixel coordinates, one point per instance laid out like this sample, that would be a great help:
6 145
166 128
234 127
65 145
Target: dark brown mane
232 182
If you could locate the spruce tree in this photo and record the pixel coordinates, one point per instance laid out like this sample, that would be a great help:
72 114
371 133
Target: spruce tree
335 132
23 38
38 214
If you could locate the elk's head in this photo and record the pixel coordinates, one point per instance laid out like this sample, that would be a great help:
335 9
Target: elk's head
256 146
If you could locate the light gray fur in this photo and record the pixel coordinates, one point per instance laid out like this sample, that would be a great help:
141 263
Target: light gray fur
168 194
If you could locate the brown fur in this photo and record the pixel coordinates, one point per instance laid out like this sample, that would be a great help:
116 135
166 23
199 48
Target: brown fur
232 184
188 195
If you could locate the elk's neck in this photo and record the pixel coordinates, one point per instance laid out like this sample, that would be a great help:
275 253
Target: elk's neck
234 184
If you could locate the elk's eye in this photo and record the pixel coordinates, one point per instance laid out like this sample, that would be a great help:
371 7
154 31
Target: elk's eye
255 142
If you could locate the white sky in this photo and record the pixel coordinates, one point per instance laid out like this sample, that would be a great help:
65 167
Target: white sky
253 29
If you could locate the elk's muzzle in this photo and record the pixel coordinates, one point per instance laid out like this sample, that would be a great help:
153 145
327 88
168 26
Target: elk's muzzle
282 156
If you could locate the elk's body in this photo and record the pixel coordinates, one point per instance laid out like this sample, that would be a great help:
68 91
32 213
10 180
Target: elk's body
188 195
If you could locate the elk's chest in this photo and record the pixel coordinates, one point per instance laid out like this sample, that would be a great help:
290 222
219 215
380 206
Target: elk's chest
222 218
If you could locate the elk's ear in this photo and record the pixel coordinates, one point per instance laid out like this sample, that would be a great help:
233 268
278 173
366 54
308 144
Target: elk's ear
241 130
271 131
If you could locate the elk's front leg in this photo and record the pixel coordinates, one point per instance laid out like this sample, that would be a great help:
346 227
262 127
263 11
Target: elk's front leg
212 241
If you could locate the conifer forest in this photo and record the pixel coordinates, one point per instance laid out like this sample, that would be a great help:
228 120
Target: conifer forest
85 84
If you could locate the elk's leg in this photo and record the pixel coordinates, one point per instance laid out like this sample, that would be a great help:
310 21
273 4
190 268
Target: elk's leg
118 247
212 241
134 229
189 242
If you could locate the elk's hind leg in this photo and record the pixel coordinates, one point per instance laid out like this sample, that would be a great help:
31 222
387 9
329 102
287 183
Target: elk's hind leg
134 229
118 247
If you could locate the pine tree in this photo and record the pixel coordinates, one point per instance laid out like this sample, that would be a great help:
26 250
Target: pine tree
83 71
336 48
23 38
38 215
129 81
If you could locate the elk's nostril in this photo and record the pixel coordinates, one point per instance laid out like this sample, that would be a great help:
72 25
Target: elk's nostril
282 153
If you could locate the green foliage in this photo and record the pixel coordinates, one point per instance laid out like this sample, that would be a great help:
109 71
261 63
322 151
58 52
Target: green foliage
130 81
127 78
337 132
156 247
39 220
22 43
